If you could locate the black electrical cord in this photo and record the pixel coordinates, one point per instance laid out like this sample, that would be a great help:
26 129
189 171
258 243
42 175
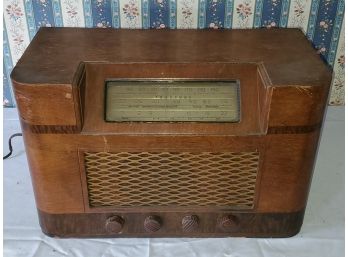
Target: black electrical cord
10 145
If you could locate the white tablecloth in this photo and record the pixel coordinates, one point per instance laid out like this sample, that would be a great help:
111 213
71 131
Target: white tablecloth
322 233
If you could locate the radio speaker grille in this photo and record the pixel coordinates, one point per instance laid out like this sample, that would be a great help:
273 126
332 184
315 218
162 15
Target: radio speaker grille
130 179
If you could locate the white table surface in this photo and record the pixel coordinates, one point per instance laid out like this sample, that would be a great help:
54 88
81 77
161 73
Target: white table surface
322 233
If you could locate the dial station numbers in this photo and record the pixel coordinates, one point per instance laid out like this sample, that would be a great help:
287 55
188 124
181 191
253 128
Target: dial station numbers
172 101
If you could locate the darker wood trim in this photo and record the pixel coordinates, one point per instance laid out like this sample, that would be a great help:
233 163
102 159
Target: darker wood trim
85 225
293 129
51 129
67 129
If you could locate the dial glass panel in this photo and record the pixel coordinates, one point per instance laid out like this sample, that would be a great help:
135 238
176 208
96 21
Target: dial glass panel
172 101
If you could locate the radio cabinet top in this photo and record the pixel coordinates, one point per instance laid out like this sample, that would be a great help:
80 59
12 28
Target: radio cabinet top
283 82
54 54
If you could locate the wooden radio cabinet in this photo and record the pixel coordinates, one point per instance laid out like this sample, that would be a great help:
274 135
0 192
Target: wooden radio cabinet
171 133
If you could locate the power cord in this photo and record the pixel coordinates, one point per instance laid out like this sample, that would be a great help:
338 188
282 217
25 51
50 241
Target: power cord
10 144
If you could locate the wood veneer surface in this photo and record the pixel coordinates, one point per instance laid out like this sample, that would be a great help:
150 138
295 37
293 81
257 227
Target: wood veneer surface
54 54
59 84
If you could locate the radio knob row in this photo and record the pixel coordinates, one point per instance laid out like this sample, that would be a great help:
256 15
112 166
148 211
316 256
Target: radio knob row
153 223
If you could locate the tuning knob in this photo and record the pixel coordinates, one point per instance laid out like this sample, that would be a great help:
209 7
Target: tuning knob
114 224
190 223
152 223
228 222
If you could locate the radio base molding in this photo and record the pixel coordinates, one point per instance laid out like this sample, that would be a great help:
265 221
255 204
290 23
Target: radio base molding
247 225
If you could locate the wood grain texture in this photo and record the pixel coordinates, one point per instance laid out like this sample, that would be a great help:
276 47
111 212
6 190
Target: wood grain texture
287 55
58 99
293 129
47 129
60 95
95 95
51 129
296 106
286 164
247 224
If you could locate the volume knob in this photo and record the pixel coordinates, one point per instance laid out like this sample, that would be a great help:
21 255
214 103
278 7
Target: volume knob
190 223
114 224
152 223
228 222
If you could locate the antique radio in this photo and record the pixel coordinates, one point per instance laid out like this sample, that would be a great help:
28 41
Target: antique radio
159 133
